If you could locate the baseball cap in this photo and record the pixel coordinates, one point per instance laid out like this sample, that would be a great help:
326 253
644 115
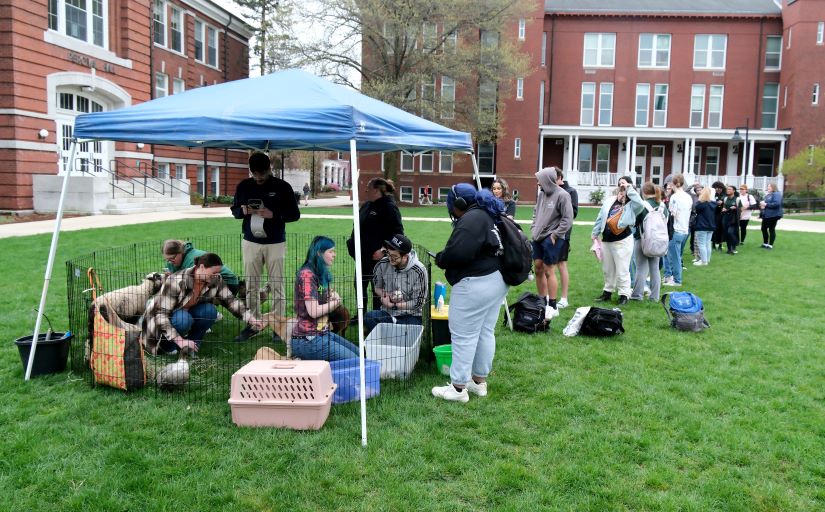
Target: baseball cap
399 243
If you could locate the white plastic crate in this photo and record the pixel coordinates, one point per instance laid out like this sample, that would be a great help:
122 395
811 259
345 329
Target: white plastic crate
291 394
396 347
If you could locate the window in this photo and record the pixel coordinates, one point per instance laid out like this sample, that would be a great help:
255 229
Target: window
602 157
712 161
660 106
159 21
585 157
180 171
71 104
74 17
599 50
785 98
176 30
605 104
654 50
519 88
486 158
588 100
522 29
199 40
487 96
773 53
406 162
489 42
697 105
163 171
451 42
161 85
445 162
820 32
642 102
790 32
201 183
811 149
427 162
697 160
429 36
211 46
442 194
517 148
544 48
178 86
770 102
815 95
764 162
541 102
447 97
715 98
406 194
709 51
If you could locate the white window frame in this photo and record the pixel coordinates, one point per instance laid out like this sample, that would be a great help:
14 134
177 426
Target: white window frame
215 181
598 44
161 85
815 95
178 85
820 33
429 36
642 105
654 50
447 97
160 22
543 49
703 59
57 22
405 194
406 157
519 88
442 194
605 161
425 162
180 171
443 158
775 112
606 104
660 114
711 152
583 159
694 95
451 42
212 32
777 53
176 18
200 181
198 36
589 89
697 160
162 170
522 29
517 148
716 92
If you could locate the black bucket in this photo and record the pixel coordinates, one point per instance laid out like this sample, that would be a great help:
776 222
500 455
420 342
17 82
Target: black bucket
51 354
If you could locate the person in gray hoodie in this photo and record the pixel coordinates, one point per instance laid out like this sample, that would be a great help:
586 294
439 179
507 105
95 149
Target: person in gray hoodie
552 220
400 280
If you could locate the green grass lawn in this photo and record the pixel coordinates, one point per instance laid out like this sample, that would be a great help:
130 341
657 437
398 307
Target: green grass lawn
439 211
729 419
818 218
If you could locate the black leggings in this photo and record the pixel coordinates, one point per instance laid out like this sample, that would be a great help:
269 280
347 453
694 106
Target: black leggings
769 230
731 239
743 229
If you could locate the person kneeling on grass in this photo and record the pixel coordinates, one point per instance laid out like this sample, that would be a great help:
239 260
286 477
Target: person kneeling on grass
472 266
400 280
183 310
314 301
180 255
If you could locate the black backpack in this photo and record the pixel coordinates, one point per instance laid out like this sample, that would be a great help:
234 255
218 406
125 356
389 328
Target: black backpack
602 322
517 255
528 313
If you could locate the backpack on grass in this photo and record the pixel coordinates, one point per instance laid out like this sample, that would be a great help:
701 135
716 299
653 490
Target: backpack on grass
528 313
517 256
654 237
602 322
685 311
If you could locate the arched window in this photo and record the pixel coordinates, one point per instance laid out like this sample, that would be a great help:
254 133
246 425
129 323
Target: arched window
90 156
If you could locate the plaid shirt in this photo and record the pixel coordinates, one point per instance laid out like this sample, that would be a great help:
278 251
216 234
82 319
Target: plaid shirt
178 290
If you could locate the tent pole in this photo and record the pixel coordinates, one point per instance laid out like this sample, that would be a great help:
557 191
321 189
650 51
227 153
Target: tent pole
359 291
50 263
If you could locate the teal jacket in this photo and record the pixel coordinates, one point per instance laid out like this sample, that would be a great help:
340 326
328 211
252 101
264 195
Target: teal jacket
189 255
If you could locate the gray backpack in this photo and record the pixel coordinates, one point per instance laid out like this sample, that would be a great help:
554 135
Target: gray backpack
654 237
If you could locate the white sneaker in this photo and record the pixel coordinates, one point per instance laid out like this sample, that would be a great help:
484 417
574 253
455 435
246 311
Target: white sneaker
575 324
699 263
476 388
672 283
647 290
667 281
550 313
562 303
448 392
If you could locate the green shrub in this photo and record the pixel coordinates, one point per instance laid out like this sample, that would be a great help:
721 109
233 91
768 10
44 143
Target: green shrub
597 196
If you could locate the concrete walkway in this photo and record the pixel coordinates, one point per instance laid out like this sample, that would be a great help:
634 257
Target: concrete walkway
197 212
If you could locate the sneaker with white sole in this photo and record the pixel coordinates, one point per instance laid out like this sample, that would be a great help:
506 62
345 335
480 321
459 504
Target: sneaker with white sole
550 313
672 283
562 303
476 388
449 392
667 281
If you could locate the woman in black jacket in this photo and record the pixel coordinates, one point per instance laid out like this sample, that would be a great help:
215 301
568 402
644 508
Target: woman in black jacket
730 219
379 219
705 225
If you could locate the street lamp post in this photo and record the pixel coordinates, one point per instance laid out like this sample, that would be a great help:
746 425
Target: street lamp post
737 138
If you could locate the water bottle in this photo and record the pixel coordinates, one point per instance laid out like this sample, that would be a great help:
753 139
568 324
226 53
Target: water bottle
439 295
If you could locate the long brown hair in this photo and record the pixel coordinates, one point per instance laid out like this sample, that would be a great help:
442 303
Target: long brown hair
385 186
651 190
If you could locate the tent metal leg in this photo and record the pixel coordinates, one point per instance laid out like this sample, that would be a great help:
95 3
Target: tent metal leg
359 290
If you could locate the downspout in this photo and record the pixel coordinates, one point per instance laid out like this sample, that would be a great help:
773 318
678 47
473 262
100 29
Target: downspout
225 76
550 66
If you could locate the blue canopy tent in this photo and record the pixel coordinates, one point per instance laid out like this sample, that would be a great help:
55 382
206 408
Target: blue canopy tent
291 109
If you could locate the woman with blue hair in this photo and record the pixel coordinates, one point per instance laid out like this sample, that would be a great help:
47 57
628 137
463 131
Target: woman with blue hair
314 301
471 262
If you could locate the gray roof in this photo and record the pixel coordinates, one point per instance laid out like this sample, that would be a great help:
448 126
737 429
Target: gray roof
685 7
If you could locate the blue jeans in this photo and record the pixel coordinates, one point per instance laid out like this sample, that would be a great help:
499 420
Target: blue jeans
193 323
703 241
379 316
325 347
474 307
674 256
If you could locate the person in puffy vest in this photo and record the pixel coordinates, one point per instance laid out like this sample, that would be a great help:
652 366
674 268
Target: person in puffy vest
771 213
647 265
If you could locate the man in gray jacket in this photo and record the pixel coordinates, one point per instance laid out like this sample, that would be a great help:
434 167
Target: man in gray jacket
400 280
552 219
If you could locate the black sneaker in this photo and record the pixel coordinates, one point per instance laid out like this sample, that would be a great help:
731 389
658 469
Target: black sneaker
247 333
622 300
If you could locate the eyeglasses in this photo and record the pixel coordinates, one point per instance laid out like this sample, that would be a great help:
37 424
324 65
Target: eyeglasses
170 257
391 255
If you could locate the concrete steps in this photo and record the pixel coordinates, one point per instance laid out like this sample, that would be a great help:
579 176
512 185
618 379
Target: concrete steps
144 201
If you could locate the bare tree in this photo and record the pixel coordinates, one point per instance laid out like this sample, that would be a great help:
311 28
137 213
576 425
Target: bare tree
274 35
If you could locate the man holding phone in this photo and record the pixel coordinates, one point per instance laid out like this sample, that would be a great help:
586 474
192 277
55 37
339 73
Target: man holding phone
266 204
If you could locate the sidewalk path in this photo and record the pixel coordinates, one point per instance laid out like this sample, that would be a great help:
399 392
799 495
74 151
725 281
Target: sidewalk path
196 212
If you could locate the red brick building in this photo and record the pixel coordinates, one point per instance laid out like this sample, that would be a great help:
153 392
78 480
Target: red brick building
649 89
62 58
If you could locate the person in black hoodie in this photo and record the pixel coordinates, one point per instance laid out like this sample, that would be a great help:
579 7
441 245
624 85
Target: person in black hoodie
719 232
471 263
379 219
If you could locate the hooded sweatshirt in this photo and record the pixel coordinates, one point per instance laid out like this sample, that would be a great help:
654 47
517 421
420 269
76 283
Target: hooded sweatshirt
553 214
188 260
411 281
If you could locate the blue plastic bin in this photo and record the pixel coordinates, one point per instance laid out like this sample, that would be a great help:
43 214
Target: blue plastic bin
345 373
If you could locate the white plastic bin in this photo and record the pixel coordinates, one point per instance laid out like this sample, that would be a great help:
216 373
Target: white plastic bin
396 347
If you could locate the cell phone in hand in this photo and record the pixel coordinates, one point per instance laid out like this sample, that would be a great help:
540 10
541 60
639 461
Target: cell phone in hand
255 204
